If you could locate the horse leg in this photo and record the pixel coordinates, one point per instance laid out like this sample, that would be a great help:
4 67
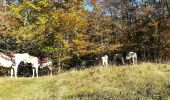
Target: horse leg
123 62
15 71
12 72
103 63
33 70
106 64
106 61
51 72
36 71
114 61
133 60
136 60
50 68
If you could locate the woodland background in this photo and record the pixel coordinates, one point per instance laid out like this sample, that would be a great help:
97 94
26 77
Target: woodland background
74 36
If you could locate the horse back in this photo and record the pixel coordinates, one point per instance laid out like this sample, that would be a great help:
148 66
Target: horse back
7 56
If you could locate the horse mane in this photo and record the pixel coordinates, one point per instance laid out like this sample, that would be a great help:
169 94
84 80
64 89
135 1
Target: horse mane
42 59
8 53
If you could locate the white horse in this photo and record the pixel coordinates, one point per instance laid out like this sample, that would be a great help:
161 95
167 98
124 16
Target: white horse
19 57
12 61
105 61
36 63
133 56
46 62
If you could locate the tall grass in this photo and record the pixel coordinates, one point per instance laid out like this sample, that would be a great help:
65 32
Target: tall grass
144 81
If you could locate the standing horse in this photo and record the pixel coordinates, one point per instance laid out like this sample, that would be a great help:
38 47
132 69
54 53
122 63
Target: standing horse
46 62
38 62
12 61
133 56
119 58
35 64
19 57
105 61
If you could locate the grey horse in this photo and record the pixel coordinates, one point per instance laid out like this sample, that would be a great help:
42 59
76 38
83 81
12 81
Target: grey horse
119 57
133 56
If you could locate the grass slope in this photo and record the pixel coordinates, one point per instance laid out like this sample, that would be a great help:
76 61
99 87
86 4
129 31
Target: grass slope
144 81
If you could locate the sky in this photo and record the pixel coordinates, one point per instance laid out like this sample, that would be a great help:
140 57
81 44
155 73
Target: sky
87 5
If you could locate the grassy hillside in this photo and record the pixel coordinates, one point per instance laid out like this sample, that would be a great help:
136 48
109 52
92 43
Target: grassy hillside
144 81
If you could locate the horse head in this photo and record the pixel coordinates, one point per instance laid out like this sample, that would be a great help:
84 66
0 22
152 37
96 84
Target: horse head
131 55
128 57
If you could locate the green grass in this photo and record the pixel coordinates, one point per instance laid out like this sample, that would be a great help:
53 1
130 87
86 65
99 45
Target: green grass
142 82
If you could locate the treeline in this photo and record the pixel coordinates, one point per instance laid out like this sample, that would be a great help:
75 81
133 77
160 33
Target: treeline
73 36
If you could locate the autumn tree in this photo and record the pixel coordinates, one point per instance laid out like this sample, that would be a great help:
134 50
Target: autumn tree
144 25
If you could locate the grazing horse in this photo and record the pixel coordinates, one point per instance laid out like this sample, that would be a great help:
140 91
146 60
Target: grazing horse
118 57
35 64
40 62
105 61
133 56
12 61
46 62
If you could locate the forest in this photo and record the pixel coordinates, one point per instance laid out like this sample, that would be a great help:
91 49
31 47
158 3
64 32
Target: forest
76 36
77 33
